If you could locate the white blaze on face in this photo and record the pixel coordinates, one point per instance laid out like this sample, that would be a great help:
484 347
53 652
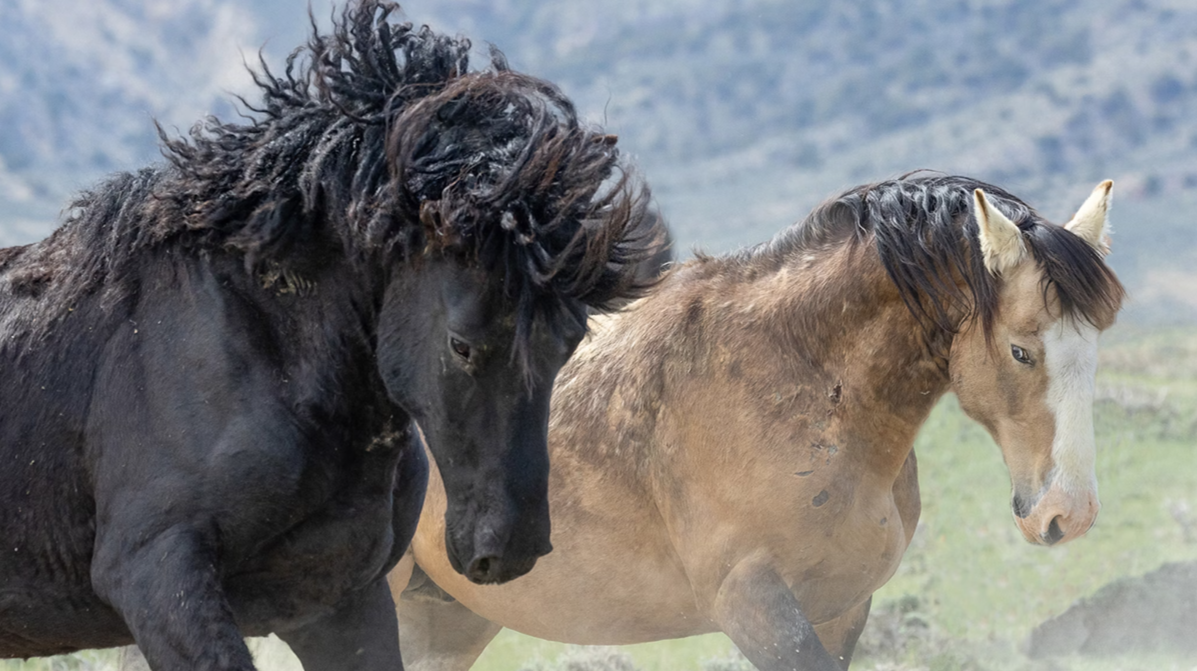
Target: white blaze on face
1070 350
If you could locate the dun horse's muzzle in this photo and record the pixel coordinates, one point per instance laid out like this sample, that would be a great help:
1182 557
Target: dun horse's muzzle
1057 517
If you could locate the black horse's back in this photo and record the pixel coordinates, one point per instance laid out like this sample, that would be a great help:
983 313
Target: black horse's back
212 369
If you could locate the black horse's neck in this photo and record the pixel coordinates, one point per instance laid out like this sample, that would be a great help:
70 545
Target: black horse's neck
323 318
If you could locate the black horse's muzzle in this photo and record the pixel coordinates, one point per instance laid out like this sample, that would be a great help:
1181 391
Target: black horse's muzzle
498 548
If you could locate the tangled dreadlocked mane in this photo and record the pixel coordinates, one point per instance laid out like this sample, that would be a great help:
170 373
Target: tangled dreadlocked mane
924 231
379 138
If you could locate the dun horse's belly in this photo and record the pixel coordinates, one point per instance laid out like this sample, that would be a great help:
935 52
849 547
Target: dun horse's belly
613 577
610 580
607 583
609 600
588 592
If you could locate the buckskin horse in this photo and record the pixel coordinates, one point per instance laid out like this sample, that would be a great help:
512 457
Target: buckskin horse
734 452
210 370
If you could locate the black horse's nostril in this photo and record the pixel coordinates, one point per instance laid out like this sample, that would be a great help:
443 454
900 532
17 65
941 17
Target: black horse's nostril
1054 532
481 569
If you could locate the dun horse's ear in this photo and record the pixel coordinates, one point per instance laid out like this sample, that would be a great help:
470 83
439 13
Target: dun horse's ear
1091 223
1001 241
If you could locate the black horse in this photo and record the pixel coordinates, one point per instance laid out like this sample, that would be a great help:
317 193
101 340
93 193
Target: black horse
210 370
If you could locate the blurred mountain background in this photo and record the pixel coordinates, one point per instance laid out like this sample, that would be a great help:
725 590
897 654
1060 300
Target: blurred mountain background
742 114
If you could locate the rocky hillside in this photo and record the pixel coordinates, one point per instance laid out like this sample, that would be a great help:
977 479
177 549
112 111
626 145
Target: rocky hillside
742 113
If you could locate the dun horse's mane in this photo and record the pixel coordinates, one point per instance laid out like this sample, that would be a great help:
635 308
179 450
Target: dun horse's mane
378 143
923 229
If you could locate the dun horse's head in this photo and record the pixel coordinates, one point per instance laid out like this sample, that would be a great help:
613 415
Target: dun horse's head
1029 377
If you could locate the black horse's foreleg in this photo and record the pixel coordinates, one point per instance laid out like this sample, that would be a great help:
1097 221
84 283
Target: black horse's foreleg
757 611
362 634
168 591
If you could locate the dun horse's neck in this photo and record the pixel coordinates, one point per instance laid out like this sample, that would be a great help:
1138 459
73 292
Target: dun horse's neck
833 346
820 343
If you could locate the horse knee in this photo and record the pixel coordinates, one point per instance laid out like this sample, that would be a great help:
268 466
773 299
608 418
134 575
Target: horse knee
757 611
839 636
114 572
165 588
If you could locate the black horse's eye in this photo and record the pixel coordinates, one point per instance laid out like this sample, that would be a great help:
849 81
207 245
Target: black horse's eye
459 348
1020 354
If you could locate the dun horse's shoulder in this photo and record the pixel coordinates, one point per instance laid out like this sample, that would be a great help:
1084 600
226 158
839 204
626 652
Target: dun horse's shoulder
598 324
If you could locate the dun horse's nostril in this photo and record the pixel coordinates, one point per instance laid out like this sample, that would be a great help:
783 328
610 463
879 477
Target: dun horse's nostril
1021 507
1054 532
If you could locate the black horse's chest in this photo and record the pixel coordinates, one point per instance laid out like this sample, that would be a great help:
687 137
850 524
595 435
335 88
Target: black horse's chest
337 545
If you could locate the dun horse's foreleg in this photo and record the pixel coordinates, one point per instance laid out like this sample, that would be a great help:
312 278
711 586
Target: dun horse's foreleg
132 660
840 635
440 634
757 611
167 590
359 635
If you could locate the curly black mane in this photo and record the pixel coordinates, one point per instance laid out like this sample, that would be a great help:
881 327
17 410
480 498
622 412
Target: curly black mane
378 141
924 231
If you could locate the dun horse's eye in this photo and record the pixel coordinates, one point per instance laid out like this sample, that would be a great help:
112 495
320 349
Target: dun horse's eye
459 348
1020 354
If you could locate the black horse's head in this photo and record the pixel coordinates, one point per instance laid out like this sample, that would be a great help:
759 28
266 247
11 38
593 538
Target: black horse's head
480 220
448 353
510 220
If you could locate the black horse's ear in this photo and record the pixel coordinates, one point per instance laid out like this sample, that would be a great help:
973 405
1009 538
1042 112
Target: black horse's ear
498 60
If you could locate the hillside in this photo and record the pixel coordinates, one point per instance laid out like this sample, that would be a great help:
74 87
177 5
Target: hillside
81 82
743 114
